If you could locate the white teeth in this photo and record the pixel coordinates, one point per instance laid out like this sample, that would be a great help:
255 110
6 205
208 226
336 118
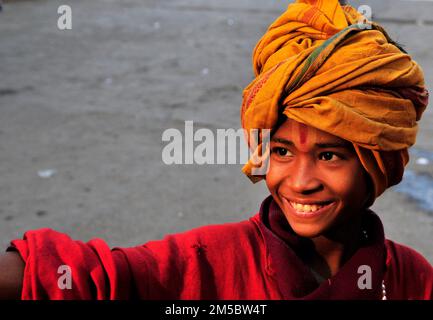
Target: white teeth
305 208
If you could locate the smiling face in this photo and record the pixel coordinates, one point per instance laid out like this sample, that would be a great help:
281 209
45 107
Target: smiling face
316 179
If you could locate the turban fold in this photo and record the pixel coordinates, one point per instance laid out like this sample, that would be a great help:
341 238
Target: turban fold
325 65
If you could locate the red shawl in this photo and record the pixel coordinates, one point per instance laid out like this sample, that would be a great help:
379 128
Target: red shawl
253 259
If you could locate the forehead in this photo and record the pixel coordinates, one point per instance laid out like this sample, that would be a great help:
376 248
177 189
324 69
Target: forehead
303 134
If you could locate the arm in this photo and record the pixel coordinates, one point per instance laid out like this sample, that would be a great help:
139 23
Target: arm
11 275
92 270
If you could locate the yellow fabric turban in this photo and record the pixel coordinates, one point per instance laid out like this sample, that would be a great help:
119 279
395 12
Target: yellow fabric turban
324 65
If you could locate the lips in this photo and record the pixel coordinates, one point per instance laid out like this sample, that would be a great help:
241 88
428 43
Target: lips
308 209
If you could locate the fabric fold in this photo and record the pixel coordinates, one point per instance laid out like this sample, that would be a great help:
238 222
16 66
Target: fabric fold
325 65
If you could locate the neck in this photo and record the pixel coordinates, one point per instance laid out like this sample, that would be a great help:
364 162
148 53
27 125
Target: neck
334 248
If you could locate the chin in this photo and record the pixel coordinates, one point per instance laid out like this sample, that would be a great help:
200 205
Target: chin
307 231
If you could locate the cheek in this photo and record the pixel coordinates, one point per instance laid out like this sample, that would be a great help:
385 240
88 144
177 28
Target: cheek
274 176
349 184
271 181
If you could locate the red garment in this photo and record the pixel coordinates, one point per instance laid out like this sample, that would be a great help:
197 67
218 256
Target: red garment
253 259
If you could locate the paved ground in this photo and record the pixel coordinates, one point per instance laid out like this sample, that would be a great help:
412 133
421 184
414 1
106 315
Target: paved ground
92 104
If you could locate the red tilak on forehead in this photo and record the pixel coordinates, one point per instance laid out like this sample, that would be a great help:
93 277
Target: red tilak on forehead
303 133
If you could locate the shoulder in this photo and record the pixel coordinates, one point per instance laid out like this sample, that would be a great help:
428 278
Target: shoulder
409 271
219 235
407 257
239 240
179 264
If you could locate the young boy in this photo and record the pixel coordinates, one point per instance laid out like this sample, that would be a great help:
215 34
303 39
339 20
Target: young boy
342 101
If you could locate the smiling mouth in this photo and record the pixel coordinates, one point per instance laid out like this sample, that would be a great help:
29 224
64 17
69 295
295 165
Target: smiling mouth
310 209
307 207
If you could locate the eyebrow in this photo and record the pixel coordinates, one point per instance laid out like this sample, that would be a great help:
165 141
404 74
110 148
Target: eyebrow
345 145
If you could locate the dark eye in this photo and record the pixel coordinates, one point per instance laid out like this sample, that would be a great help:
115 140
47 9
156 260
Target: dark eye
282 152
328 156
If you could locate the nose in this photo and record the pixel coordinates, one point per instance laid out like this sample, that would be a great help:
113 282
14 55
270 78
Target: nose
303 177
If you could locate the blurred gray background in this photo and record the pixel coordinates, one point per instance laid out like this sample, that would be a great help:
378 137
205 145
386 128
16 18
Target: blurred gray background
82 113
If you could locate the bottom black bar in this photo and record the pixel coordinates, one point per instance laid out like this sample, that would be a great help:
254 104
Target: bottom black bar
251 310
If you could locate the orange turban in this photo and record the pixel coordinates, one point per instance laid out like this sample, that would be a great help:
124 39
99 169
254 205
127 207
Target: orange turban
325 65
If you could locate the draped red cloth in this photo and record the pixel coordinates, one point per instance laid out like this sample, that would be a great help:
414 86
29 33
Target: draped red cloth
260 258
